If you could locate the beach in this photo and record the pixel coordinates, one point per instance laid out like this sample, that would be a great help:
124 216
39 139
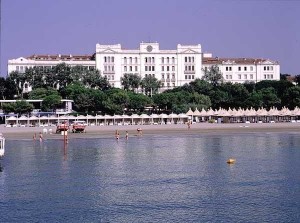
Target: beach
108 131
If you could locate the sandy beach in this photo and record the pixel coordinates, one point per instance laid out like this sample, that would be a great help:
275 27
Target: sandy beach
108 131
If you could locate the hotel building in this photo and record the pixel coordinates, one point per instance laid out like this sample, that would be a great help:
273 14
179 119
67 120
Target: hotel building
172 67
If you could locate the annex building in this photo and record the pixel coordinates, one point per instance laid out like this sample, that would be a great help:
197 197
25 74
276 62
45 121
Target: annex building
173 68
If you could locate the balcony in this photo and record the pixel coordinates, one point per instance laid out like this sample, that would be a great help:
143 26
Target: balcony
109 72
189 72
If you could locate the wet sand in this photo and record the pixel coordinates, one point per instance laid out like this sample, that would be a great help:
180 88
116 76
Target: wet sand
109 131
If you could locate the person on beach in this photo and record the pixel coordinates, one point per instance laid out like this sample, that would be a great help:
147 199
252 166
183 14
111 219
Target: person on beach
126 135
34 136
189 124
41 136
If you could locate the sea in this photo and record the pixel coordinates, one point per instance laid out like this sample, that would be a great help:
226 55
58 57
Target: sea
167 178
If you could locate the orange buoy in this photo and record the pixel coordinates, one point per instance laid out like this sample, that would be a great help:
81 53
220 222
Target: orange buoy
231 161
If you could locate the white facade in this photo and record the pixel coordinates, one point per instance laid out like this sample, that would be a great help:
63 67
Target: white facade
241 70
47 61
172 67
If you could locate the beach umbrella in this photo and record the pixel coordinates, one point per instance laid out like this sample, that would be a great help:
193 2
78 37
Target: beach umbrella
162 116
144 116
172 116
190 113
196 112
134 116
203 113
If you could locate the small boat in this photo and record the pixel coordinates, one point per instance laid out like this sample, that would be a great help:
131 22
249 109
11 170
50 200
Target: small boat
79 126
2 145
64 126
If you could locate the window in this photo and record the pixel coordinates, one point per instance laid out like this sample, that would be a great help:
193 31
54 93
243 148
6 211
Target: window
239 68
193 77
245 68
168 76
173 68
173 76
230 68
190 60
162 60
130 68
112 59
245 76
135 60
251 76
271 76
226 68
168 60
193 59
168 68
185 59
130 60
17 68
226 76
146 60
162 68
271 67
125 68
105 59
108 59
146 68
251 68
105 68
230 76
136 68
239 76
173 60
163 76
185 76
265 76
153 60
265 68
125 60
112 68
153 68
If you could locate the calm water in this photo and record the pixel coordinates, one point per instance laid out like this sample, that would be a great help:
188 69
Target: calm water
153 179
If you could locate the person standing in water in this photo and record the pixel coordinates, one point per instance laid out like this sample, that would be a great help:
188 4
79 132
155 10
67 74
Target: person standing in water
41 137
117 135
126 135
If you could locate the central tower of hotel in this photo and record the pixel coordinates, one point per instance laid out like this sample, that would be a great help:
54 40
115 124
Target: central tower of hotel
171 67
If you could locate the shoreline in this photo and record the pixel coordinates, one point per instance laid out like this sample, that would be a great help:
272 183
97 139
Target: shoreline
20 133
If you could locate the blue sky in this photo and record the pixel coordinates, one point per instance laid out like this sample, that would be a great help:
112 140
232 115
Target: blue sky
260 29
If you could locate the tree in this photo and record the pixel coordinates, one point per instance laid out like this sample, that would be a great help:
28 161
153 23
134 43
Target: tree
270 98
213 75
297 79
20 107
150 85
19 80
93 79
130 81
35 77
201 86
52 102
3 87
292 97
63 74
138 102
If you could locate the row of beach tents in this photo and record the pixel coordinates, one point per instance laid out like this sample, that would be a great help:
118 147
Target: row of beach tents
222 115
